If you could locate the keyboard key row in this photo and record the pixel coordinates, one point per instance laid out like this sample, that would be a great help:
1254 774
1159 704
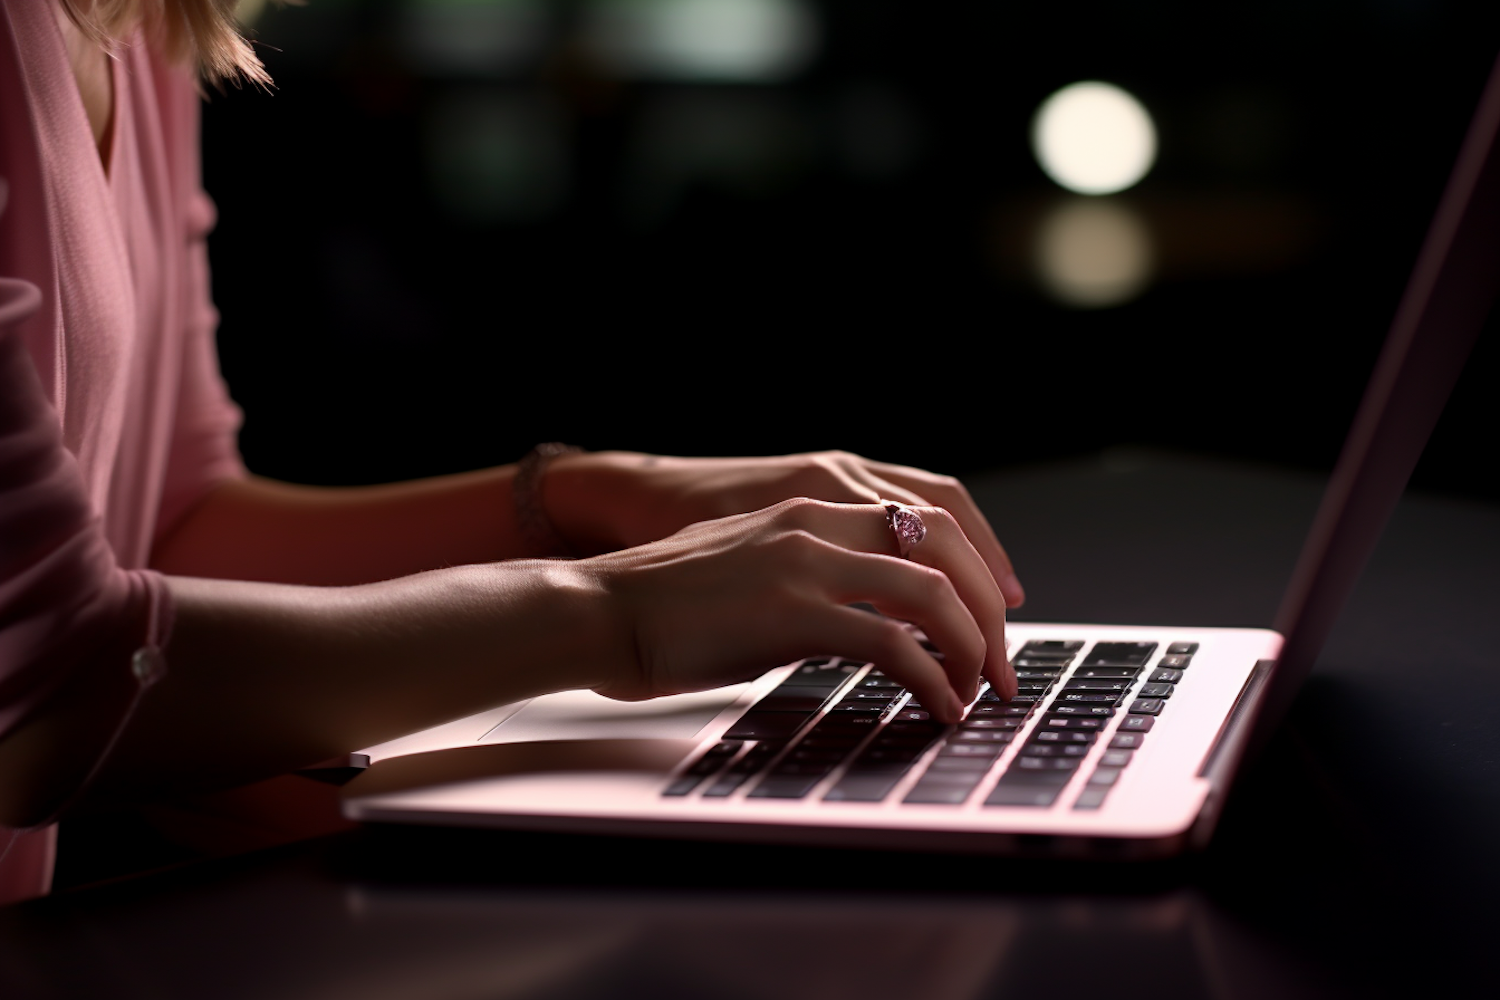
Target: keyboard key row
904 732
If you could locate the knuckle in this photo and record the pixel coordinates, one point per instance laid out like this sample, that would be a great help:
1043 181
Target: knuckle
792 508
940 518
934 584
797 548
890 639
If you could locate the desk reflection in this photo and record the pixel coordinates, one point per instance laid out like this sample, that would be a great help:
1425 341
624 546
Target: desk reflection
282 927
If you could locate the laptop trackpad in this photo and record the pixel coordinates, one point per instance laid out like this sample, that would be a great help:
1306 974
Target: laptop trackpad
584 715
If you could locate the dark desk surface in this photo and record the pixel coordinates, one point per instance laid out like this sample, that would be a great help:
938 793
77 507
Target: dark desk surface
1356 858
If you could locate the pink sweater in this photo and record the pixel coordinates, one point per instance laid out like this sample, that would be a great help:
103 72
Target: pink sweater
114 420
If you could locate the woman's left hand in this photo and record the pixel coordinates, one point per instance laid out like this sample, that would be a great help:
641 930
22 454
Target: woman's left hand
604 501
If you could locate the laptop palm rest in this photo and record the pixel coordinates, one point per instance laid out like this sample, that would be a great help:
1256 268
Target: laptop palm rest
584 715
558 768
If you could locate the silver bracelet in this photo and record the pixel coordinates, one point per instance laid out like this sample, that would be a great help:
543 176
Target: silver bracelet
539 536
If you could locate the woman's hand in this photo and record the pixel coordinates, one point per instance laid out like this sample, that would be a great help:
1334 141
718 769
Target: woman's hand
613 500
724 600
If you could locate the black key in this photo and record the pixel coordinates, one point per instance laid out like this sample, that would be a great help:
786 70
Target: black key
819 739
820 674
803 767
985 751
1087 698
683 785
1035 674
1147 706
705 765
1128 741
1119 654
884 697
937 794
795 700
1165 676
845 724
1041 774
1044 764
1054 750
1065 736
1026 699
1183 648
872 707
1175 662
1104 776
1037 796
1055 647
879 684
993 709
911 715
1101 684
758 725
817 755
1137 724
1092 797
1155 691
1106 671
1095 711
990 723
862 788
888 755
1033 687
1073 722
784 786
961 765
994 737
1116 758
725 785
953 777
1041 662
906 727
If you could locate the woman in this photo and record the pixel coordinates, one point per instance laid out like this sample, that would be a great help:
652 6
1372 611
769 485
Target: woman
170 624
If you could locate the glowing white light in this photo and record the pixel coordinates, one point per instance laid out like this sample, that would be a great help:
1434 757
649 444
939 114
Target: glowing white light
1093 138
745 41
1093 253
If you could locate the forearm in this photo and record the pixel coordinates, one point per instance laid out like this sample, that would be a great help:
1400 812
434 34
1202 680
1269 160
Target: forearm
264 678
259 529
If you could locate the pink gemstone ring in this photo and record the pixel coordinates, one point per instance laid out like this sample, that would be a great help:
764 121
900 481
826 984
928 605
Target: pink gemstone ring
907 526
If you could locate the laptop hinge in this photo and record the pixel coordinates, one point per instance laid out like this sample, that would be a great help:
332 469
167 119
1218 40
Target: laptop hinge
1232 735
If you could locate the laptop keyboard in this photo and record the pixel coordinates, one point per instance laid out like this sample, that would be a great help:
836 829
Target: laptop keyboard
868 734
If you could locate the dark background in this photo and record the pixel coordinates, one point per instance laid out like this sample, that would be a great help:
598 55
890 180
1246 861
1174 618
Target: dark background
427 264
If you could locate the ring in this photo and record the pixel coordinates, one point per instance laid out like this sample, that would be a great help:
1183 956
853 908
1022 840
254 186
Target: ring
906 524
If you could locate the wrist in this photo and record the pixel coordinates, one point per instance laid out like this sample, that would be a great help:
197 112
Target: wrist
595 501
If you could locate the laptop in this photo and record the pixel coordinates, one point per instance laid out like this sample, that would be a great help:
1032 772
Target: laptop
1123 741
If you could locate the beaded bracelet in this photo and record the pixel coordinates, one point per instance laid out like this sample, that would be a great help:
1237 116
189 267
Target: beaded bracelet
539 536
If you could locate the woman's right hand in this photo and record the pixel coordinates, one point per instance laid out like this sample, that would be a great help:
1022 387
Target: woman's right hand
723 601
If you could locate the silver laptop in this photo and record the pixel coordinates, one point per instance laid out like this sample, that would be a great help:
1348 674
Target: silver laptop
1123 741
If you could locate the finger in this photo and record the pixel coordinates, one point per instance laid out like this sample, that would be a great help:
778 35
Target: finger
892 648
874 488
864 527
953 496
953 552
913 593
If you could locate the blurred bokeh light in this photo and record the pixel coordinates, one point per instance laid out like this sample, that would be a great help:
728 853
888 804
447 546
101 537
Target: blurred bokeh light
465 198
1093 252
726 41
1094 138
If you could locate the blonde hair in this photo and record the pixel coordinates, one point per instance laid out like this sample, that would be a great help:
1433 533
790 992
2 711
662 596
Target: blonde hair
201 33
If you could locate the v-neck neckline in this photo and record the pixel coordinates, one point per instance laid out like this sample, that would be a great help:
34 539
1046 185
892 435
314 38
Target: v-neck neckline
104 147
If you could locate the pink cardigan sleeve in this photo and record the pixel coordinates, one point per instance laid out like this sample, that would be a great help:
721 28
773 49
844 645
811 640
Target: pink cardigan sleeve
63 598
